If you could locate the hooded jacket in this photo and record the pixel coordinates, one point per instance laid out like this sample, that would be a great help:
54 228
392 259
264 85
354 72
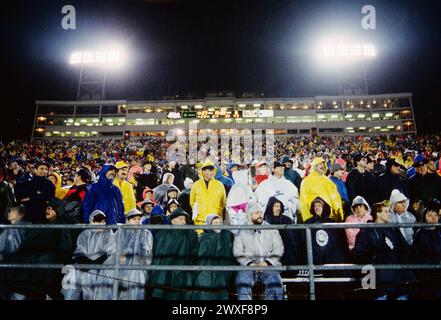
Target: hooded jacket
127 194
290 237
329 245
171 284
230 174
283 190
315 185
383 246
205 200
405 217
351 234
60 193
215 249
160 192
425 187
255 246
387 182
103 195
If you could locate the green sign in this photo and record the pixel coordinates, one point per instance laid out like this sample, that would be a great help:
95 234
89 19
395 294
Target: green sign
188 114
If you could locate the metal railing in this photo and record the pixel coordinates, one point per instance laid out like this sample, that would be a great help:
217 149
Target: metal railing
310 266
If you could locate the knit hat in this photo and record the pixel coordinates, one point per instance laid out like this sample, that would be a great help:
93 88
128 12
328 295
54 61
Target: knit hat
278 164
336 167
419 161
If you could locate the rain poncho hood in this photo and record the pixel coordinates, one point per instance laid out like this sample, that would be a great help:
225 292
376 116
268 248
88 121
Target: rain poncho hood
238 198
60 193
105 196
360 200
226 181
397 196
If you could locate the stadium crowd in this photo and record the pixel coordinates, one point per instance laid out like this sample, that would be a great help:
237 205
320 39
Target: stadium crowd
380 179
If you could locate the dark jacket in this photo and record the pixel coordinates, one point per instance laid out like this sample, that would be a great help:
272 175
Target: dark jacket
328 245
76 193
425 188
426 249
290 237
386 183
215 249
169 284
105 196
361 184
39 190
7 200
145 180
294 177
178 182
189 171
383 246
41 246
184 201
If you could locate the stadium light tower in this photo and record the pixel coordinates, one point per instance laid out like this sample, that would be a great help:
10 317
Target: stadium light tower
349 59
94 67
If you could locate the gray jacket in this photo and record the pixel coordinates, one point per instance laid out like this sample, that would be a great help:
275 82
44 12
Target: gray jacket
258 246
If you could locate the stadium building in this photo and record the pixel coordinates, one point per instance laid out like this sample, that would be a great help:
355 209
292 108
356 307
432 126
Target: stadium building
319 115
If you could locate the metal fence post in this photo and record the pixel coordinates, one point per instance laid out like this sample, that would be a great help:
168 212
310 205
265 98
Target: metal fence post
310 263
116 270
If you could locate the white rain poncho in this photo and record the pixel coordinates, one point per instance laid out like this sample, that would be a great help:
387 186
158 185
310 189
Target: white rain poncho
238 197
137 250
92 244
283 190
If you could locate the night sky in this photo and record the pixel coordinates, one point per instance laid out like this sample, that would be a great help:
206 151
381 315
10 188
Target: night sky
179 47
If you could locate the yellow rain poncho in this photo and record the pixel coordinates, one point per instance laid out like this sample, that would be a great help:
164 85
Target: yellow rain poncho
205 201
316 185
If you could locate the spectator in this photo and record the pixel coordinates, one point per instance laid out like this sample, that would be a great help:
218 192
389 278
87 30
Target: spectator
146 208
160 192
337 172
173 168
148 194
330 245
78 191
174 285
35 193
384 246
424 185
290 237
361 214
172 205
104 196
124 186
148 180
207 195
427 250
53 246
57 179
361 182
399 214
226 181
232 167
215 249
343 163
188 171
136 250
258 248
261 172
238 198
94 246
184 196
172 194
7 198
277 186
290 174
390 180
316 184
